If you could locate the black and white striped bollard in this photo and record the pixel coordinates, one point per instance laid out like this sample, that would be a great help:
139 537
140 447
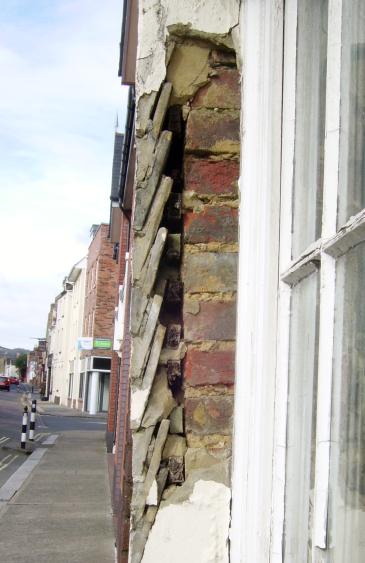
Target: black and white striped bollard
32 420
24 428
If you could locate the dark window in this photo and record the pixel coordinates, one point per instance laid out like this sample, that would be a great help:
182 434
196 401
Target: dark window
101 363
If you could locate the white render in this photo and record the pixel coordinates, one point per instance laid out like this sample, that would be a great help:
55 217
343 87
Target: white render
63 339
194 530
59 349
157 19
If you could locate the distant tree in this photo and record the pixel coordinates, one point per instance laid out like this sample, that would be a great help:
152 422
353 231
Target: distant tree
21 365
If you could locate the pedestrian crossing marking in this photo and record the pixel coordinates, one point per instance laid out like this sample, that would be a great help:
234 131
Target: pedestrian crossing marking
8 459
40 435
4 439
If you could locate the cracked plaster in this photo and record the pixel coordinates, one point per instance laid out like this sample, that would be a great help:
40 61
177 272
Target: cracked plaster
195 529
161 22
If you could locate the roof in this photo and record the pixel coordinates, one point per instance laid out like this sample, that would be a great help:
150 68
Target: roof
76 270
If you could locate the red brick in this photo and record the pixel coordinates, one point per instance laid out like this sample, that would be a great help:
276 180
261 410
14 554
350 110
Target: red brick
218 224
209 415
215 320
211 177
222 91
209 368
123 248
214 132
101 289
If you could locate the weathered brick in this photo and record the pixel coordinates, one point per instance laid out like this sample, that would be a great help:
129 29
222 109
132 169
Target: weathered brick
212 224
101 289
215 367
211 177
214 321
215 132
222 58
210 272
222 91
209 415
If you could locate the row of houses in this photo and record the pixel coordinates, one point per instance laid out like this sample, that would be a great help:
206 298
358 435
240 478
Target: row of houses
236 381
80 330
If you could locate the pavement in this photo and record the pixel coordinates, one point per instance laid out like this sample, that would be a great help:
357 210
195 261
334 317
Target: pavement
56 507
51 409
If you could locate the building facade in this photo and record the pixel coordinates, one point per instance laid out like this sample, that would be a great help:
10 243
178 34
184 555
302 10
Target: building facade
64 384
36 363
243 439
98 322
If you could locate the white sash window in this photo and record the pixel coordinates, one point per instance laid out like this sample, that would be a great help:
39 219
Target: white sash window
300 390
322 269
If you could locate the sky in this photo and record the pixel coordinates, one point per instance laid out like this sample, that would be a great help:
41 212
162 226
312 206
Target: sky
59 97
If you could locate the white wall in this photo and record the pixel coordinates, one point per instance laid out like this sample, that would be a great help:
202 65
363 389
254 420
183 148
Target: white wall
76 328
60 363
68 327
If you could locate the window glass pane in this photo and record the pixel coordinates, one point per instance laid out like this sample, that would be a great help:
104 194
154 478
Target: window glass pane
301 419
352 162
347 475
310 122
81 386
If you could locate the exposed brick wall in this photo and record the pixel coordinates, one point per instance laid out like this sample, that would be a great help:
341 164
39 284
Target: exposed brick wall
205 149
209 176
209 270
113 389
213 367
101 287
118 415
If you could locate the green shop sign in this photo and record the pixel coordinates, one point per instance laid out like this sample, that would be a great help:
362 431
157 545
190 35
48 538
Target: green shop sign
104 343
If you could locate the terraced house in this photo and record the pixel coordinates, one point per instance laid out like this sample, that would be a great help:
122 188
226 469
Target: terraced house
237 406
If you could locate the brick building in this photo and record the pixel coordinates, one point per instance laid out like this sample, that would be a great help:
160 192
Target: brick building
243 436
98 324
36 363
172 394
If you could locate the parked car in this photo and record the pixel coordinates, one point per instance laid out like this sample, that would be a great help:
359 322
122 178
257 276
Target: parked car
14 380
4 383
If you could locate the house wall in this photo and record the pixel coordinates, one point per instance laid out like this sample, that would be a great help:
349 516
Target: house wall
76 322
101 286
123 249
183 320
60 346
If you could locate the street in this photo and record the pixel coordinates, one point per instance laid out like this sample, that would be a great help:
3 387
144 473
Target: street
57 500
11 412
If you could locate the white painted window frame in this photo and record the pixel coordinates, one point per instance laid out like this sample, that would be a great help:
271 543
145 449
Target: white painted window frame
325 251
321 251
261 25
258 488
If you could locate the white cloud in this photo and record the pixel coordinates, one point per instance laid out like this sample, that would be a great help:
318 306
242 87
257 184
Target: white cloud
60 93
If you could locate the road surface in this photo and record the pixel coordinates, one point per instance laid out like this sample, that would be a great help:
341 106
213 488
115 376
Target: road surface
11 412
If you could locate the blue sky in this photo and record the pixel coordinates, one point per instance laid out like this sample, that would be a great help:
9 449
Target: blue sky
58 102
